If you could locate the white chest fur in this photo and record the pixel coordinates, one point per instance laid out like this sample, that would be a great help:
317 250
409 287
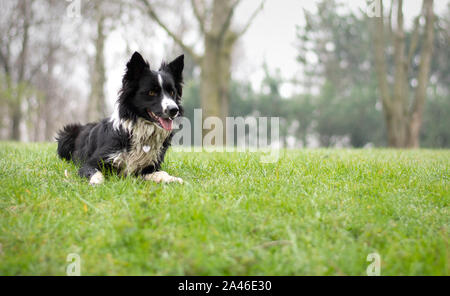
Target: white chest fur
146 143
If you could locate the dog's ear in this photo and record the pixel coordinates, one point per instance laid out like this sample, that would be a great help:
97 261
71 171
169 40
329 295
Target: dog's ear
135 67
176 68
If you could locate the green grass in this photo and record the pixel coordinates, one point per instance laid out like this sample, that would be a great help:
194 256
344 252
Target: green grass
314 212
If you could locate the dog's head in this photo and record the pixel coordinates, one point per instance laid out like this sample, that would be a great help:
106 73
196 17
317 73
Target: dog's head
152 95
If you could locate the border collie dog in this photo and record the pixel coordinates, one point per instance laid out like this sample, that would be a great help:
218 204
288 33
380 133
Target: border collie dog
134 140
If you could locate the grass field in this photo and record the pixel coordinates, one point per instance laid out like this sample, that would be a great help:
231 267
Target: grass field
314 212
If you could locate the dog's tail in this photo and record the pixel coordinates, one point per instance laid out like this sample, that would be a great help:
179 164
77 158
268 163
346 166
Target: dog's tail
66 140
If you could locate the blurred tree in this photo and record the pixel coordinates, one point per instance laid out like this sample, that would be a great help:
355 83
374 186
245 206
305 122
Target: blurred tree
348 118
22 56
344 76
334 51
32 56
334 47
440 64
403 116
214 20
243 100
435 131
104 16
269 100
300 111
15 29
41 105
191 98
96 106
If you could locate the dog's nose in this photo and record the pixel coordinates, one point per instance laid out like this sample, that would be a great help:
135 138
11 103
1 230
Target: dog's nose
172 111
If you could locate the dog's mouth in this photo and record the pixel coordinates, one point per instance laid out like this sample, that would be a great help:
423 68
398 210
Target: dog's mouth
165 123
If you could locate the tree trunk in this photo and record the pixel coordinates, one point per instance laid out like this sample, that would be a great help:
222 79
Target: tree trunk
216 79
48 116
396 126
403 125
216 64
415 120
16 108
15 122
96 107
225 77
209 84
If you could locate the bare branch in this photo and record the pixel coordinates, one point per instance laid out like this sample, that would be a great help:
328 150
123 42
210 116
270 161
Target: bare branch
25 40
250 20
227 23
424 67
177 39
200 16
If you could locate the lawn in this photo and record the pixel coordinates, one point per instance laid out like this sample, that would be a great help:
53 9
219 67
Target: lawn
314 212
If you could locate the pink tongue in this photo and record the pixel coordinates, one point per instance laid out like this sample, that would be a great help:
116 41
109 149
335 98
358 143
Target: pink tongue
166 123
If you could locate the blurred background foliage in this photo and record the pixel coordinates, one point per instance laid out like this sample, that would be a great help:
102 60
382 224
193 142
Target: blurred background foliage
336 102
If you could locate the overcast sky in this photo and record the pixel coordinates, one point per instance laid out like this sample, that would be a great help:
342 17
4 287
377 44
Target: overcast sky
270 39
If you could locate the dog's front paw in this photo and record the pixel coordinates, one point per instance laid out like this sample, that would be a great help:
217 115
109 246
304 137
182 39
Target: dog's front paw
162 177
97 179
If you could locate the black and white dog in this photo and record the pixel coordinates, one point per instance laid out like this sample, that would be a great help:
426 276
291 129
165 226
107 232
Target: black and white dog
134 140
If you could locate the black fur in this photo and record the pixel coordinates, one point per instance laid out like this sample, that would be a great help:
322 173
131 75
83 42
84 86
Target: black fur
91 145
66 140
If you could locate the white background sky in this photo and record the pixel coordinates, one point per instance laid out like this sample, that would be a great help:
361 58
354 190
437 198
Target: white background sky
270 39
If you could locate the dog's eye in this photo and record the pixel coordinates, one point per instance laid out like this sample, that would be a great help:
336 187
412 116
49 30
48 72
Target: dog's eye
172 93
152 93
